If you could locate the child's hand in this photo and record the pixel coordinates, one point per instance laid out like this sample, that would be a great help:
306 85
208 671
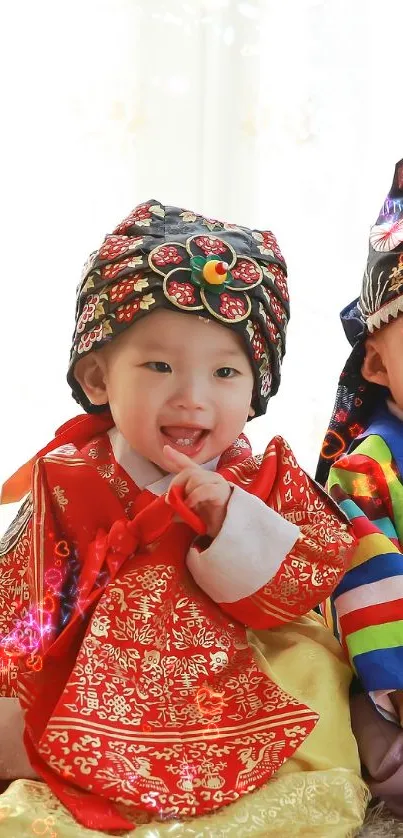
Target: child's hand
206 492
397 700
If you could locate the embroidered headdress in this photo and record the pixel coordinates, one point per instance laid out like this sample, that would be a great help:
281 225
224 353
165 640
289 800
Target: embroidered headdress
171 258
381 301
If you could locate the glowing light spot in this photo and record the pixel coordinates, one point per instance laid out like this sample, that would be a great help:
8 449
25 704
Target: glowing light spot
48 604
356 430
62 549
364 486
53 577
209 702
328 444
35 662
41 825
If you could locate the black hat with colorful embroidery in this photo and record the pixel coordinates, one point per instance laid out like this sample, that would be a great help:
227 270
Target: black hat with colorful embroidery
172 258
380 302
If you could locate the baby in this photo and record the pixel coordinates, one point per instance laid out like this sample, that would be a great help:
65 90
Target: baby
365 444
166 670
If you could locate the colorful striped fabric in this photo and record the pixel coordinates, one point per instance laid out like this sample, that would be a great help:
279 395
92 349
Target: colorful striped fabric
366 609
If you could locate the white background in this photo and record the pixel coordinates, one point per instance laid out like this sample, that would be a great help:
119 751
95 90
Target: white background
281 114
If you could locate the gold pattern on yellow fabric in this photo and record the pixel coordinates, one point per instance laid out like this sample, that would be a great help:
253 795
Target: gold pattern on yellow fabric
310 804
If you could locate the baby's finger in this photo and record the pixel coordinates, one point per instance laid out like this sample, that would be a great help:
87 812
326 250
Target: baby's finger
207 493
176 461
188 479
193 478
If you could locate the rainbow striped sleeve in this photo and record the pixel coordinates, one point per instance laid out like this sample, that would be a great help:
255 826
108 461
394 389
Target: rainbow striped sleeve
366 608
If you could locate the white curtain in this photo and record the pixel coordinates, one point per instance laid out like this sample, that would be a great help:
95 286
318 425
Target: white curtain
280 114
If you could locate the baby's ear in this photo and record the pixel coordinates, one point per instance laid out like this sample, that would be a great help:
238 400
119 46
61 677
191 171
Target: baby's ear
251 412
89 371
373 368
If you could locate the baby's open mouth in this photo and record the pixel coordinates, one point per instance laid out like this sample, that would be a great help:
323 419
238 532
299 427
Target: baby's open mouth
184 437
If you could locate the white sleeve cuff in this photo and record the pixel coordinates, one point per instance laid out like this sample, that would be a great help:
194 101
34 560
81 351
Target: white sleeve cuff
248 551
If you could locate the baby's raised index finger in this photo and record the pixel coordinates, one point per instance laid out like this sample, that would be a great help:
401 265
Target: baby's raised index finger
176 461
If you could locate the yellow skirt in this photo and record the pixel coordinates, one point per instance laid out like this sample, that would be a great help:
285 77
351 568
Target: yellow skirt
319 792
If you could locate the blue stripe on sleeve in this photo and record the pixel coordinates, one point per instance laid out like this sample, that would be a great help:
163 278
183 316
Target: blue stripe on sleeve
373 570
381 669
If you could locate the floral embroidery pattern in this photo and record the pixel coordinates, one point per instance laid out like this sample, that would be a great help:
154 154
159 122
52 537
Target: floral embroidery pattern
126 312
120 486
246 271
261 356
257 341
157 657
94 336
303 799
141 216
387 236
232 308
266 376
396 275
275 275
212 223
115 268
210 246
93 310
168 254
127 286
275 306
270 325
115 246
268 244
187 216
225 306
181 292
106 470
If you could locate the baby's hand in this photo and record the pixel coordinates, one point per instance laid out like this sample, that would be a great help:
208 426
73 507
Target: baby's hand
206 492
397 700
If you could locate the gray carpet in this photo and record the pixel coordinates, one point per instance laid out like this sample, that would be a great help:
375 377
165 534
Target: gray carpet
380 823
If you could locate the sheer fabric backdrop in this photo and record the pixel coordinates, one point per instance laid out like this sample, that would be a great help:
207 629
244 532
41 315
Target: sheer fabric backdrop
280 114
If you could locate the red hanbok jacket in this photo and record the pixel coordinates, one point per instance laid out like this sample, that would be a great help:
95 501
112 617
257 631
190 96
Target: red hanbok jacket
124 630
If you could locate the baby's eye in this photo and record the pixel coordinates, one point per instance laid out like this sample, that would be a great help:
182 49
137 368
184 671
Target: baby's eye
158 366
226 372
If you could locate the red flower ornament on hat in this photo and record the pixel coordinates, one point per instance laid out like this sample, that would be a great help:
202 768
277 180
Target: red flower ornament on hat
210 245
217 280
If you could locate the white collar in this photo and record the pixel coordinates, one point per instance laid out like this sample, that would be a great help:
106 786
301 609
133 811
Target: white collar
145 474
395 409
